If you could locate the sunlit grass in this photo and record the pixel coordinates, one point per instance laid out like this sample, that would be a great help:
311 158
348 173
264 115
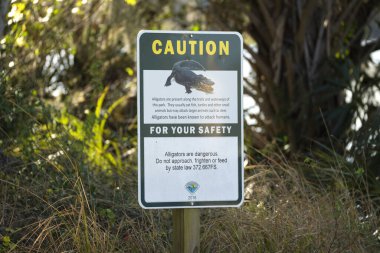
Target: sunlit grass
95 212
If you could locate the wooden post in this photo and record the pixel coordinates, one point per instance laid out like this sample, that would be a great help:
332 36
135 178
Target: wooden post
186 230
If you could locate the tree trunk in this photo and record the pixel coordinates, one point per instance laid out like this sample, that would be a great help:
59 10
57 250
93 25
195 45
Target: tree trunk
4 5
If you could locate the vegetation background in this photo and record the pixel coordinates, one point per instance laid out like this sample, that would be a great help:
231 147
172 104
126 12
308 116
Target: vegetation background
68 173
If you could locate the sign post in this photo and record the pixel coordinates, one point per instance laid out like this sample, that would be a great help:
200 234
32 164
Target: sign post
186 228
190 121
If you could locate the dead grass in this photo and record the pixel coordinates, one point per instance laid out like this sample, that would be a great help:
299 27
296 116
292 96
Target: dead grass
286 213
283 212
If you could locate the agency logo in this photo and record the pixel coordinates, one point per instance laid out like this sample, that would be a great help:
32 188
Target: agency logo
192 187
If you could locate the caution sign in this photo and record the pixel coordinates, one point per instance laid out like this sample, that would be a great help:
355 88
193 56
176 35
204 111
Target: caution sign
190 120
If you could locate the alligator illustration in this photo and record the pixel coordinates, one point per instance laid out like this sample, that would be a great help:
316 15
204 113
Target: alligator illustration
183 75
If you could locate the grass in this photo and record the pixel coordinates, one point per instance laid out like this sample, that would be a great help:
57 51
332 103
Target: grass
287 213
304 205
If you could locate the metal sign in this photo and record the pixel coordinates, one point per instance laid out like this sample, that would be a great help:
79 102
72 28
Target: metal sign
190 120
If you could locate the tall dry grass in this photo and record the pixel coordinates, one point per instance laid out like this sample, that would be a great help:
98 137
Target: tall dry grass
284 211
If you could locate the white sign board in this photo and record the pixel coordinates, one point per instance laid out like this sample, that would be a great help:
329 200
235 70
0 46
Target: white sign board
190 119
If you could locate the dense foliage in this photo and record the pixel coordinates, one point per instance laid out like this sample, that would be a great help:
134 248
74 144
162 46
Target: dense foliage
313 74
68 125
